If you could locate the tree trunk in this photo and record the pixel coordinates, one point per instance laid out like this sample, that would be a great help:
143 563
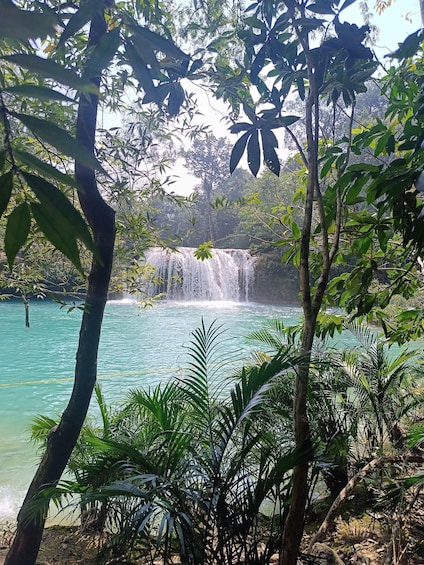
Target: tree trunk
294 524
31 518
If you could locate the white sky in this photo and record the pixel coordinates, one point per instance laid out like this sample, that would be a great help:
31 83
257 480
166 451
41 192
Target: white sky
397 22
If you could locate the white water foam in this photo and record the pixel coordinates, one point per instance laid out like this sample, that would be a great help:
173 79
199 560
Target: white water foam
10 501
227 276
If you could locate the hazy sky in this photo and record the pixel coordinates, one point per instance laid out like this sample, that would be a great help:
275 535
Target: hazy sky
397 22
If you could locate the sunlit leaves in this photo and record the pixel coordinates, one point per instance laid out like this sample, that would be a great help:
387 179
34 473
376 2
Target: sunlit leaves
17 230
204 251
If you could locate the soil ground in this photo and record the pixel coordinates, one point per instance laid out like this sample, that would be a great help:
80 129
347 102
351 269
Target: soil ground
61 545
357 540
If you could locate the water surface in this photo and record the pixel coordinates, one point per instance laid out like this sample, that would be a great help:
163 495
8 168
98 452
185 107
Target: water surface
139 347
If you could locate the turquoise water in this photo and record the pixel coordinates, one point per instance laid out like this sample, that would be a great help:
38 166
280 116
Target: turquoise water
139 347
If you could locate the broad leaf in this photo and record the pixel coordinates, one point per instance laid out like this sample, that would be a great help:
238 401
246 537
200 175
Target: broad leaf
60 139
286 121
241 126
6 187
52 228
142 73
238 150
24 24
103 53
269 143
45 168
322 7
159 42
80 18
17 229
258 64
176 98
271 159
254 153
38 92
49 69
56 204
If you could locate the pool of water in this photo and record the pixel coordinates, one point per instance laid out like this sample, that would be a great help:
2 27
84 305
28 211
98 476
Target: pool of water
139 347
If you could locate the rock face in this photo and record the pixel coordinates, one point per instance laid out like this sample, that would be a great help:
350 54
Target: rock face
274 282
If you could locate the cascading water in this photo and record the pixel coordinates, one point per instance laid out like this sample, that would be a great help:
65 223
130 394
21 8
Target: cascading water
227 275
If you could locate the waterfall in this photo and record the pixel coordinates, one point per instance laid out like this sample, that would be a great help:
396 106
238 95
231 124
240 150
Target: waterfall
227 275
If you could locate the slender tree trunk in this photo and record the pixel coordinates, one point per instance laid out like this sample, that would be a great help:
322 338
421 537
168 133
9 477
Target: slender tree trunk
294 525
61 442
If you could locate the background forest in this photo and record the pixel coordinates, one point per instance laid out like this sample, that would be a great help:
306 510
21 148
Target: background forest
185 469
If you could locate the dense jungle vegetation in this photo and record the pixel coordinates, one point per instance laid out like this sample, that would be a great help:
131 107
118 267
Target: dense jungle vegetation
189 469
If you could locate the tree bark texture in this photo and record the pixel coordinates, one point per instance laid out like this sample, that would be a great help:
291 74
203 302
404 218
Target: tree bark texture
61 442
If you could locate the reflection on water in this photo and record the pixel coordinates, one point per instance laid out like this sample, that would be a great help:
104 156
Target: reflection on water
139 347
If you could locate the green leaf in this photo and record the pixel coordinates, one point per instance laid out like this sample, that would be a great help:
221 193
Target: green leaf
269 142
238 150
285 121
241 126
322 7
6 187
271 159
354 191
159 42
382 144
409 47
176 98
60 139
103 53
17 230
254 153
327 166
258 64
142 73
45 168
56 204
204 251
295 230
38 92
52 228
80 18
25 24
49 69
